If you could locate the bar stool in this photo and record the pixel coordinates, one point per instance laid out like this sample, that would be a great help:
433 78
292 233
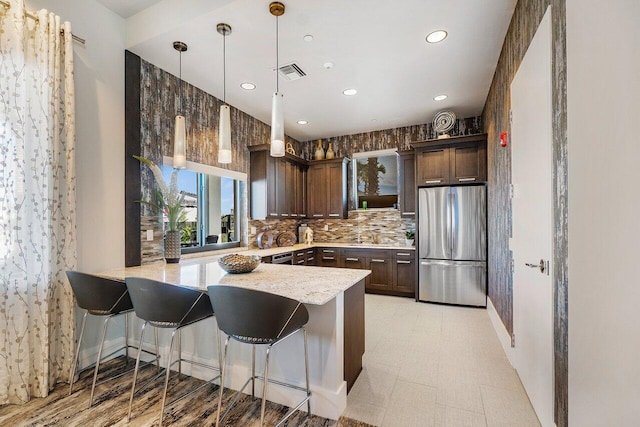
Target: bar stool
100 296
259 318
167 306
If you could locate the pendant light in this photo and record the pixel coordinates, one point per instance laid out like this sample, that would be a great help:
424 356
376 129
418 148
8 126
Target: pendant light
180 136
277 118
224 139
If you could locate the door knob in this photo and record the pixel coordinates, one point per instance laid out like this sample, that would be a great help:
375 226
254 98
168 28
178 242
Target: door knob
543 266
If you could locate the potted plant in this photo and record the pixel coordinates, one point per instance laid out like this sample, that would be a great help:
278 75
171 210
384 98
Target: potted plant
168 201
409 236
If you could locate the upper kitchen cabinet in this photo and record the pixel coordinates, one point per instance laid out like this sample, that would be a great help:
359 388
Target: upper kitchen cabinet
276 184
327 188
456 160
407 183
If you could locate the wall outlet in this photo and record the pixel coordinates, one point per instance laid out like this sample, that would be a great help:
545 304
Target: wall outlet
326 227
149 235
253 230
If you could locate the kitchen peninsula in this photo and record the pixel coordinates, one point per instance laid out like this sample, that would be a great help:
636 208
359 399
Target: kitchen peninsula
334 298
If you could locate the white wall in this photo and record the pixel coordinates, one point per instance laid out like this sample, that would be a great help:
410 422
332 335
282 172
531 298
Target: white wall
603 50
99 83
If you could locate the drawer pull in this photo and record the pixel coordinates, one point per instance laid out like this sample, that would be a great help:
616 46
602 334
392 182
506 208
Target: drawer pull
403 254
408 213
310 259
294 214
334 215
318 215
403 262
284 214
309 252
300 254
433 181
352 259
301 261
466 179
377 260
273 214
328 251
329 258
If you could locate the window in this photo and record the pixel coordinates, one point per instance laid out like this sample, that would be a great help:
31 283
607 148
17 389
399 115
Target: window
212 197
375 179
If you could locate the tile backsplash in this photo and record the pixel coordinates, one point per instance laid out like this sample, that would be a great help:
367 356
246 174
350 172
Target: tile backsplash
378 226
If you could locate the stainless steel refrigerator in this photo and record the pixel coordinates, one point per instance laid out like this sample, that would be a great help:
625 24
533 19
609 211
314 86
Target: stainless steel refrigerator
453 245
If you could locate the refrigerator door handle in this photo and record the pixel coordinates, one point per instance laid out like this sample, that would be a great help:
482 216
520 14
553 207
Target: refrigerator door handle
452 227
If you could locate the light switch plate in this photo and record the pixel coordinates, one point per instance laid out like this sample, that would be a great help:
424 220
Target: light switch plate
253 230
326 227
149 235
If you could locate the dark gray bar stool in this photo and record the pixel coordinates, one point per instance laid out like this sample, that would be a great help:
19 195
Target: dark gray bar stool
167 306
100 296
255 317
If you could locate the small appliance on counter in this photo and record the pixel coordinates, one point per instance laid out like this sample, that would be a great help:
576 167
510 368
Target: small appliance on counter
301 229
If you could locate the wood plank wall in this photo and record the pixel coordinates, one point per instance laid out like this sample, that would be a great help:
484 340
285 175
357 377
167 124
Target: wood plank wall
524 23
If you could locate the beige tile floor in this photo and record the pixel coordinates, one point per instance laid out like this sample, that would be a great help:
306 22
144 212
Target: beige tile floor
434 365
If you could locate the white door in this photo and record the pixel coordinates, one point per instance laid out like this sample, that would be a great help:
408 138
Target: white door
531 143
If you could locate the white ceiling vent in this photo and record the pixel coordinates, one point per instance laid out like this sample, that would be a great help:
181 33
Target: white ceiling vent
291 71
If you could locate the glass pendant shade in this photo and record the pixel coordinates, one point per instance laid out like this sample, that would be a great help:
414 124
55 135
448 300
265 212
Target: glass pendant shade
277 126
224 140
179 144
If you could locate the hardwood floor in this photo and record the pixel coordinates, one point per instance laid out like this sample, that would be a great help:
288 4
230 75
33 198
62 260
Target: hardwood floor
112 399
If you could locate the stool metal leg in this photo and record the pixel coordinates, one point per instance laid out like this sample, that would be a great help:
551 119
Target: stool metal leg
74 365
306 369
126 337
264 387
179 352
95 371
166 379
135 371
253 370
155 335
222 371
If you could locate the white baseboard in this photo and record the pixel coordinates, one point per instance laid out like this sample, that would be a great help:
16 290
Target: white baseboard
324 402
501 331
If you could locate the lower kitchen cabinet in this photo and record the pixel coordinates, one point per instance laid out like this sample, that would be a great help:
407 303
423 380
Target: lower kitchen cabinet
404 273
300 257
310 257
381 277
328 257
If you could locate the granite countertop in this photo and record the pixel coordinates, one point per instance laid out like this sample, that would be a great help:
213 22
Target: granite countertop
310 285
298 246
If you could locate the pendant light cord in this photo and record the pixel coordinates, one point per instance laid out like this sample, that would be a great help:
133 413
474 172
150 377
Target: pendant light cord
180 86
277 58
224 68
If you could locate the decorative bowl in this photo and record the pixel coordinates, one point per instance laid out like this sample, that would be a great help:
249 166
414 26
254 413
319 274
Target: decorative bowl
236 263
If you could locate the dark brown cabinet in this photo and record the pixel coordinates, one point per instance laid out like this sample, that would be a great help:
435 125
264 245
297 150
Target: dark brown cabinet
299 257
327 188
328 257
277 185
407 183
404 272
310 257
381 277
456 160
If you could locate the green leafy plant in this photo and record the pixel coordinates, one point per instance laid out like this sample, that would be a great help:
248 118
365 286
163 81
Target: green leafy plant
410 234
168 198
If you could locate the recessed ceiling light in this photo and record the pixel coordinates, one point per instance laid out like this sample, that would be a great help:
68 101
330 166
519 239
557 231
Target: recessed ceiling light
302 122
440 98
328 65
349 92
308 38
437 36
248 86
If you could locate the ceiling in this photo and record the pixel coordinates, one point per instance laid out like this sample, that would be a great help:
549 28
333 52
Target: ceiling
376 47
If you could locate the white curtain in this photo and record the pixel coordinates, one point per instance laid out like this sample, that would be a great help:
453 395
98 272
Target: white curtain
37 202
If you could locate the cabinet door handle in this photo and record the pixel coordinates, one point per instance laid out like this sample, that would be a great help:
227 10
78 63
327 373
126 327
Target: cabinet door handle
309 252
352 259
403 254
273 214
377 260
334 215
294 214
310 259
403 262
329 258
466 179
408 213
318 215
284 214
301 261
433 181
328 251
300 254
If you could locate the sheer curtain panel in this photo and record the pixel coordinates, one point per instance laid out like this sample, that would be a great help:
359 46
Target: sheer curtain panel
37 202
